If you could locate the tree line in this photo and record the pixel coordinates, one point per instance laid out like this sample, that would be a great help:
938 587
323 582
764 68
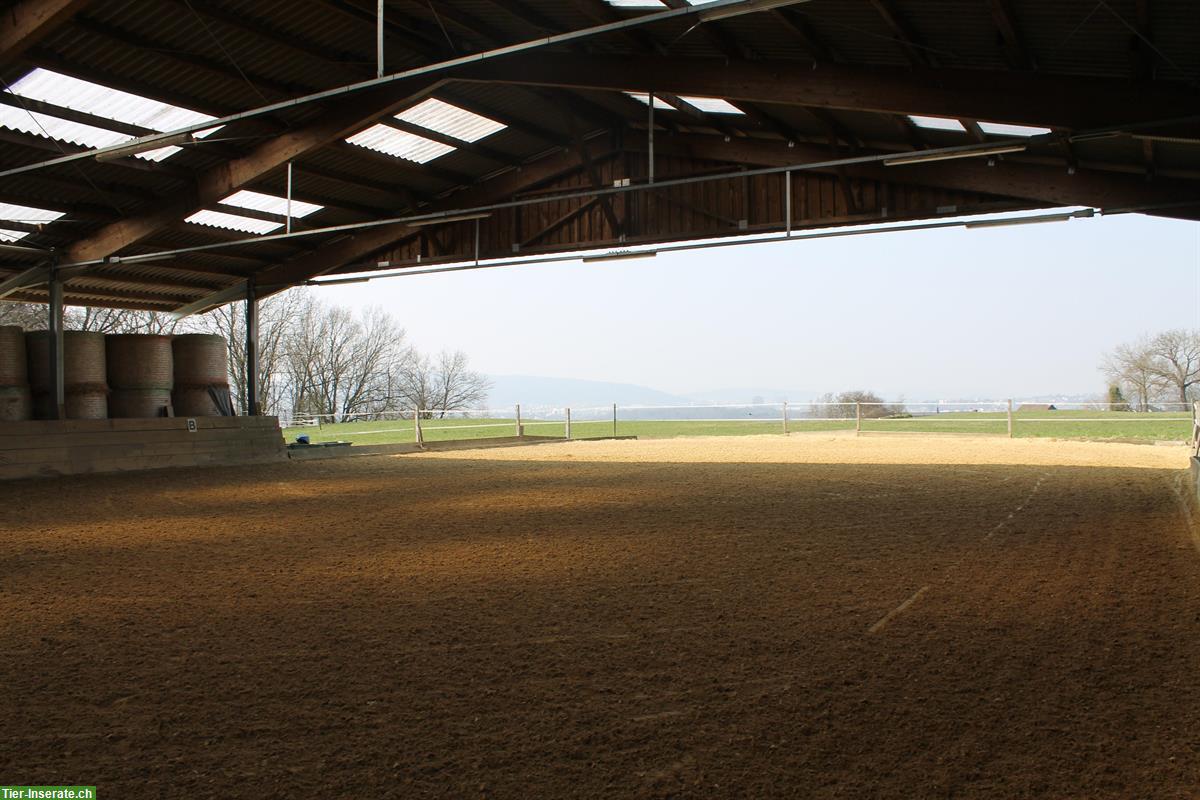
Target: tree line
1154 369
314 357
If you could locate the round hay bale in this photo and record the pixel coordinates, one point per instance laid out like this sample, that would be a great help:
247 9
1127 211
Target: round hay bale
138 403
84 361
194 401
13 370
201 359
139 361
87 405
16 404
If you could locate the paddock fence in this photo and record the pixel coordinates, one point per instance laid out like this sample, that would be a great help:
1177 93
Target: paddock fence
1002 418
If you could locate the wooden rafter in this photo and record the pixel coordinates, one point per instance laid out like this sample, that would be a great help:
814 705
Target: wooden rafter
1017 98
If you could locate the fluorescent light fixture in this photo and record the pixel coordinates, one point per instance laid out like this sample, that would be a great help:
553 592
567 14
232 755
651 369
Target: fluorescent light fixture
925 158
142 148
1004 129
1032 220
416 223
620 255
336 281
937 123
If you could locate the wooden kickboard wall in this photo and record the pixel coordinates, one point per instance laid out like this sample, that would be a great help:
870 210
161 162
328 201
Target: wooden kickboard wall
47 448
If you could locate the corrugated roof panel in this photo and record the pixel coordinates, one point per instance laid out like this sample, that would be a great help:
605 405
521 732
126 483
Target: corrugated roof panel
20 213
257 201
220 219
101 101
450 120
400 144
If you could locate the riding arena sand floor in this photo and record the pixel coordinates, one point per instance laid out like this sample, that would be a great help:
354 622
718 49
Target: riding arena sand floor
809 616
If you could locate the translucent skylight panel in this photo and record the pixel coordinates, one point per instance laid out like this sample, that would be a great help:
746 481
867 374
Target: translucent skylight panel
19 213
636 3
711 105
450 120
257 201
658 101
400 144
937 123
233 222
101 101
1004 129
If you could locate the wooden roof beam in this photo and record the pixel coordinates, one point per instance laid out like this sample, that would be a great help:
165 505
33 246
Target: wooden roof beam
905 35
1011 97
1015 50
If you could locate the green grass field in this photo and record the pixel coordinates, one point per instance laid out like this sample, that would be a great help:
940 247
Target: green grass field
1101 425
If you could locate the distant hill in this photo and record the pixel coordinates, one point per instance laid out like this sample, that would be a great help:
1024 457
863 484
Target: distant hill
535 391
748 394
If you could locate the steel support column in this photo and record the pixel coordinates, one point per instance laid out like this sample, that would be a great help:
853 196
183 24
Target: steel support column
58 397
251 373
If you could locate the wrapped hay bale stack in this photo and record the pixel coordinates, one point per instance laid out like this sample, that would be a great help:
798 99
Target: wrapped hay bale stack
85 385
141 374
15 401
201 375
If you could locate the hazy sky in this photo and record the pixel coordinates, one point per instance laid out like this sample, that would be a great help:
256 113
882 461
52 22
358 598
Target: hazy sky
1000 312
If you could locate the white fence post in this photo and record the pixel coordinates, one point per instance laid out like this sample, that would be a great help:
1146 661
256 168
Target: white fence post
417 426
1010 420
614 420
568 434
857 419
785 430
518 419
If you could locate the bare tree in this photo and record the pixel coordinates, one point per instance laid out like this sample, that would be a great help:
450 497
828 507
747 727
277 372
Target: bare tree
846 404
1176 360
339 364
1131 367
276 316
440 384
29 316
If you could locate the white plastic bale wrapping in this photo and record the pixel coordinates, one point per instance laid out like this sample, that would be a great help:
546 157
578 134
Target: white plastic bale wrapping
140 361
201 363
12 356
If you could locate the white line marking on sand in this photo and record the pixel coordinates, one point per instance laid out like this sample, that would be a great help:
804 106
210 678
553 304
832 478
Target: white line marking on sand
878 626
882 623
